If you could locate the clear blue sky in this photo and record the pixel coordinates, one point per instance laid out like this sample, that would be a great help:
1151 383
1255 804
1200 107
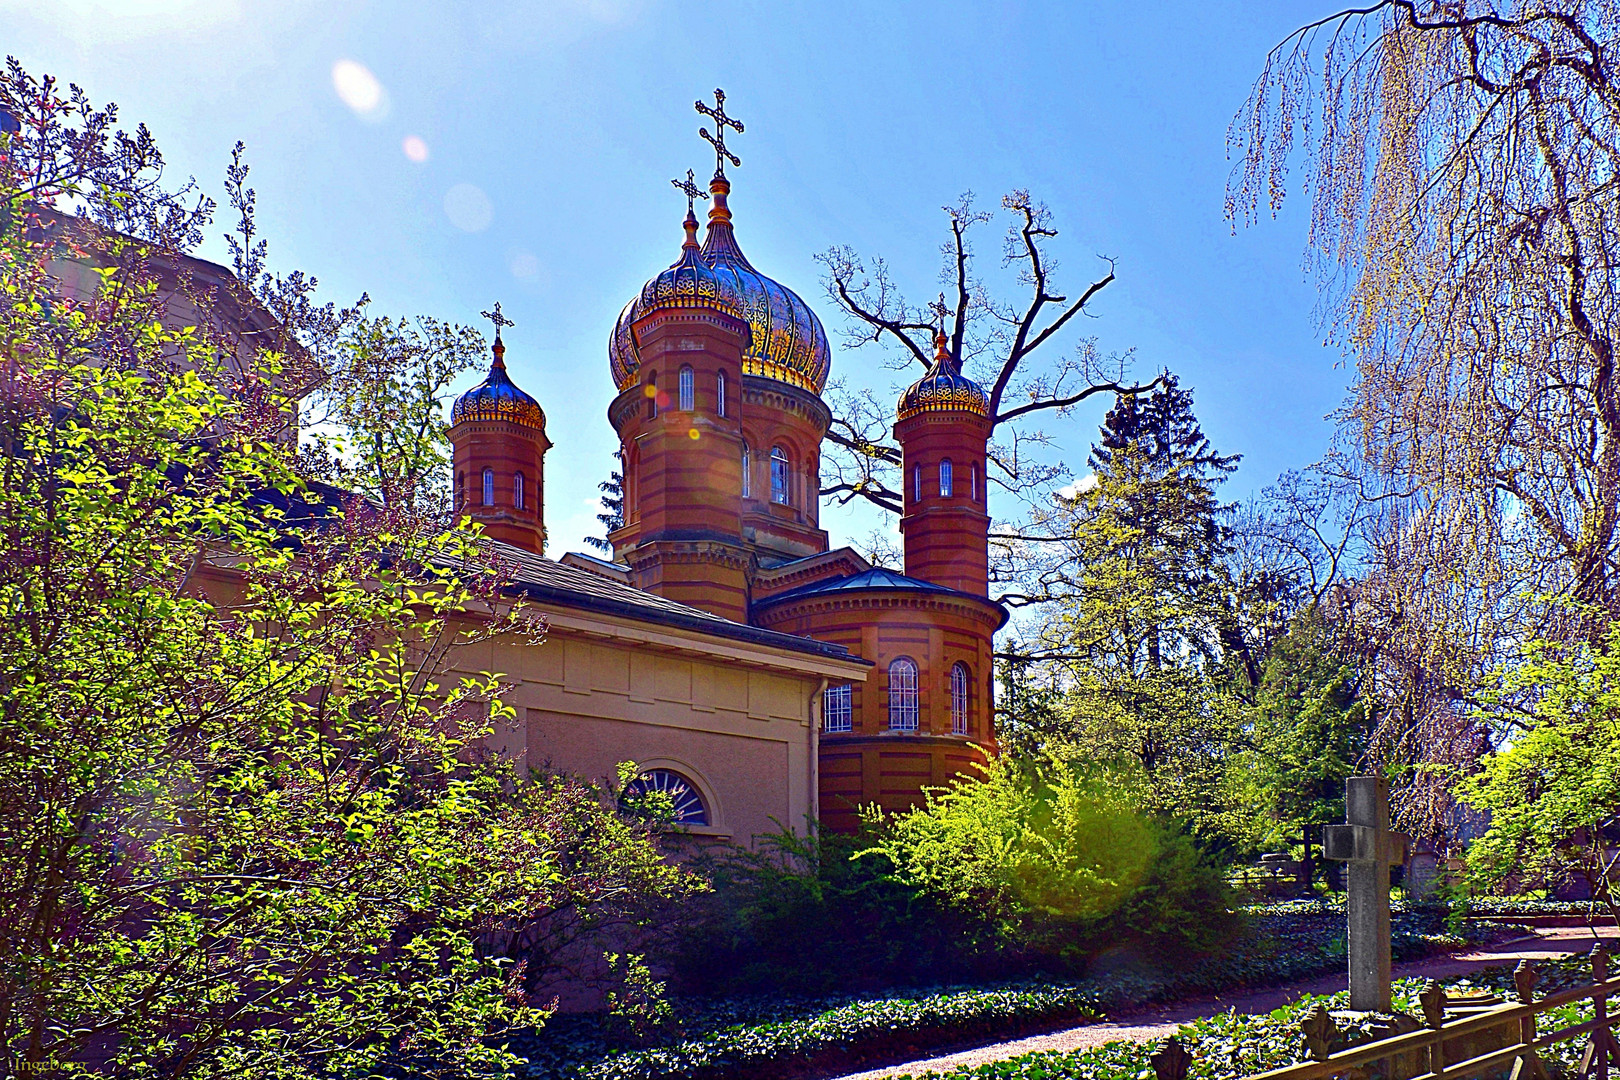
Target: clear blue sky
570 117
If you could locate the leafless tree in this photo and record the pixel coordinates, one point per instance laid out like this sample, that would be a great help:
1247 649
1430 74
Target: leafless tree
996 341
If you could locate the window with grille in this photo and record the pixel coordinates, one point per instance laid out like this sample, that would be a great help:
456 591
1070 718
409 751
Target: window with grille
720 393
517 490
779 476
684 382
489 487
945 478
836 713
960 681
902 695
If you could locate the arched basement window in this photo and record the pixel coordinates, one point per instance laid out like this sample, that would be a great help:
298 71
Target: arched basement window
517 490
720 393
836 713
902 695
960 680
779 476
945 478
685 382
684 798
489 487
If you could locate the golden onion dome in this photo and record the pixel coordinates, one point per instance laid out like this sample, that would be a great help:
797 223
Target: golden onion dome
498 398
787 342
943 388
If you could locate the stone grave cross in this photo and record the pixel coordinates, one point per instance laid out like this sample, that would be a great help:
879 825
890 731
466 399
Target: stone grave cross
1366 842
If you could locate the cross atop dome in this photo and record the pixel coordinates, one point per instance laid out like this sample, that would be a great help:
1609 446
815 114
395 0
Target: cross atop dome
718 139
499 320
689 189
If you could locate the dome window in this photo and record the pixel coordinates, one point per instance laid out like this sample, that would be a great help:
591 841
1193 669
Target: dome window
489 487
720 393
747 477
973 481
780 487
903 695
960 681
684 382
517 490
945 479
916 483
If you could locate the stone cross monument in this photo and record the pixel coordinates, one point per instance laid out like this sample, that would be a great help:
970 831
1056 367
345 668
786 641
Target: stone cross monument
1368 845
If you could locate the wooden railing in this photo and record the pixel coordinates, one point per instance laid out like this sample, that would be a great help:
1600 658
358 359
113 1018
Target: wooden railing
1424 1053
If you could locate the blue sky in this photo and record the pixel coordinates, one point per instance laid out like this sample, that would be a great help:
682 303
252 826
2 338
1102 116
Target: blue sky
862 119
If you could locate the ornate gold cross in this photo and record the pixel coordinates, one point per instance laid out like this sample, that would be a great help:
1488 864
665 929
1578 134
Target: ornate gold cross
718 139
690 190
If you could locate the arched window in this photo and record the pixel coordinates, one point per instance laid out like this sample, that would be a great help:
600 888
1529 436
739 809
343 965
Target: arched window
489 487
684 382
960 681
685 801
902 695
945 478
720 393
652 394
461 490
836 714
747 480
780 476
916 483
973 481
517 490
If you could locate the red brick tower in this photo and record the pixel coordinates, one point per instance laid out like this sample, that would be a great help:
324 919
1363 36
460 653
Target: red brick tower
943 427
499 438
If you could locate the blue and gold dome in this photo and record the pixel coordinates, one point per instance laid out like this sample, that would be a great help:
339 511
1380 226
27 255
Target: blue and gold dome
498 398
787 342
943 388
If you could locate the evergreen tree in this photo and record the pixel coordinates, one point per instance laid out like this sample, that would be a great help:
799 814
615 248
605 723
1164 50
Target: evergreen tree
612 515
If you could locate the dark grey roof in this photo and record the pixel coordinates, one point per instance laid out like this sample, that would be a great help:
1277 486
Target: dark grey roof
545 581
877 578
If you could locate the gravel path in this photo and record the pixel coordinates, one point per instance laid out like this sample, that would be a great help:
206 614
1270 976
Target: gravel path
1159 1022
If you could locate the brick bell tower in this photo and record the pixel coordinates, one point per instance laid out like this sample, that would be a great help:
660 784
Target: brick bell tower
498 436
943 427
679 420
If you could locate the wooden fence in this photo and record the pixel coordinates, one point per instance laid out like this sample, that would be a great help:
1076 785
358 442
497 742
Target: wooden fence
1460 1038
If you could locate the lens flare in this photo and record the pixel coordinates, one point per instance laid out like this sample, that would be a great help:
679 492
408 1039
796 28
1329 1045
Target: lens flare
415 148
359 89
692 433
468 208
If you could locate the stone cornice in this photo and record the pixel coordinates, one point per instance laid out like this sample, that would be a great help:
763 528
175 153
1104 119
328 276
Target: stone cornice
771 394
971 607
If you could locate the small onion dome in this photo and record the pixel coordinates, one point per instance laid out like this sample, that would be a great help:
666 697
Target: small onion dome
688 283
943 388
498 398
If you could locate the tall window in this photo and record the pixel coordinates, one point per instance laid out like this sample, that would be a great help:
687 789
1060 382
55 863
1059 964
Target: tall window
652 394
836 714
959 699
489 487
973 481
461 490
779 476
517 490
685 384
902 695
748 480
916 483
945 478
720 393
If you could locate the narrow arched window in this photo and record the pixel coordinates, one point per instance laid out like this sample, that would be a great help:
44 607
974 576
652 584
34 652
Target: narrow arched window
960 681
973 481
652 394
916 483
461 490
685 383
780 476
836 714
945 479
489 487
747 478
720 393
517 490
902 695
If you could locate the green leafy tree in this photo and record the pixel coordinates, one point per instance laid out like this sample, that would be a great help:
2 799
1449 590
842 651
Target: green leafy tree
1553 789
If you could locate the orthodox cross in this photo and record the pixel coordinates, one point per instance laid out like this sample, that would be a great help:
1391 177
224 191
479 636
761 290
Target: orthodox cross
1366 842
690 190
498 319
940 311
718 139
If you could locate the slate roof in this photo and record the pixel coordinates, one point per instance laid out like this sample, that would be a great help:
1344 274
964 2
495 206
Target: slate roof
545 581
877 578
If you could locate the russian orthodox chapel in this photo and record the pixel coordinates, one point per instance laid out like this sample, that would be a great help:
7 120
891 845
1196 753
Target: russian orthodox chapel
718 371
